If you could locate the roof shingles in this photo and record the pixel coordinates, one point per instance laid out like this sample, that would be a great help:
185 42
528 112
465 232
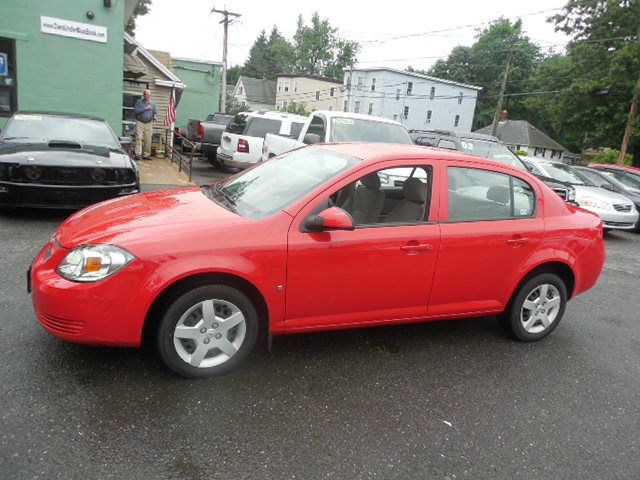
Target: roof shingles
521 132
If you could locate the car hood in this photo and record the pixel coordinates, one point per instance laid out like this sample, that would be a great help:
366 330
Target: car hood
43 155
600 194
136 219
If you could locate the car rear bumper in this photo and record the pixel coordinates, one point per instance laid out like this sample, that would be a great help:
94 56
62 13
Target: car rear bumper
60 196
236 160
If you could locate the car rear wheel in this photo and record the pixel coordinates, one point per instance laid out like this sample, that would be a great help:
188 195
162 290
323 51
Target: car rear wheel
207 331
536 309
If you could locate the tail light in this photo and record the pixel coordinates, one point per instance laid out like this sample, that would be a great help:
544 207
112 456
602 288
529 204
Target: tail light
243 146
200 131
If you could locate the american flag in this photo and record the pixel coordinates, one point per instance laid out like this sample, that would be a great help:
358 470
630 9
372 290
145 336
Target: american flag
170 117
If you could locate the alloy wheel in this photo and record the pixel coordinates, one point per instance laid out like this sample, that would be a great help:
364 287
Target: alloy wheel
540 308
209 333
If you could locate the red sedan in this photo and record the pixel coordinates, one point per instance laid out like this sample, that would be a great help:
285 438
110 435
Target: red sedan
324 237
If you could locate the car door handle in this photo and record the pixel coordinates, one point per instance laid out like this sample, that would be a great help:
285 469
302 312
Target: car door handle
517 240
420 247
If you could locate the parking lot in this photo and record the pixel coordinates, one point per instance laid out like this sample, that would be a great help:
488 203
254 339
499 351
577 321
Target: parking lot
445 400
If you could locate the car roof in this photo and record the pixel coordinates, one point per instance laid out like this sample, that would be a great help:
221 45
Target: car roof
59 114
373 152
360 116
276 115
457 134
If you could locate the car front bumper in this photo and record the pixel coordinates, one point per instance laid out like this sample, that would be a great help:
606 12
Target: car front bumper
107 312
13 194
616 220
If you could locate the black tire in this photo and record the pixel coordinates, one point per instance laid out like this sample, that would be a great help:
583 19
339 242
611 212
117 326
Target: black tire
511 319
180 305
211 156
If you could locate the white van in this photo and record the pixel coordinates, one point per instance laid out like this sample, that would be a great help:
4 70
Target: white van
241 143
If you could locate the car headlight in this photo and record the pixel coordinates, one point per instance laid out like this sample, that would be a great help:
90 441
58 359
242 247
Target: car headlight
90 263
594 203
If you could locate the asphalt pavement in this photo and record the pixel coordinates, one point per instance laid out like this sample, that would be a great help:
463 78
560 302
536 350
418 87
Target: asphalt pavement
443 400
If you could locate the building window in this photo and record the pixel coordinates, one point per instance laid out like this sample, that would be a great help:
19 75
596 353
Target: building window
332 92
398 94
295 86
373 84
331 108
395 116
240 90
409 87
357 109
429 113
279 86
433 93
457 121
460 96
287 84
406 113
285 104
8 77
317 94
346 106
359 86
371 109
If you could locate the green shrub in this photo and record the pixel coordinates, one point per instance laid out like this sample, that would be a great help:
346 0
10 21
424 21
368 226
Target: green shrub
611 156
521 152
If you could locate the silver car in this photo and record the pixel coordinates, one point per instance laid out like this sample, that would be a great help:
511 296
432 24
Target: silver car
616 211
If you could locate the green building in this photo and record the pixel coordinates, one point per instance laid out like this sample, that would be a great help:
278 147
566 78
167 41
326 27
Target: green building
63 55
201 95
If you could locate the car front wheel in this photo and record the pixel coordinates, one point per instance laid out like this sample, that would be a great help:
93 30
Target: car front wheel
536 309
207 331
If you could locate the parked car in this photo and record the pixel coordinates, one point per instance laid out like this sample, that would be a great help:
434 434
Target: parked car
242 141
486 146
624 173
628 187
332 126
60 160
617 212
208 133
312 240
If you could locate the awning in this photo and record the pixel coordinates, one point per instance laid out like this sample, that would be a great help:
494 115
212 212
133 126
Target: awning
133 67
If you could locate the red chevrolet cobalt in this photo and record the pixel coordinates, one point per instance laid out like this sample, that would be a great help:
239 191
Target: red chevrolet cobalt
324 237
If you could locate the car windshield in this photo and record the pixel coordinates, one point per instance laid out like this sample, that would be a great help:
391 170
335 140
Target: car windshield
565 173
275 184
361 130
36 128
629 180
492 150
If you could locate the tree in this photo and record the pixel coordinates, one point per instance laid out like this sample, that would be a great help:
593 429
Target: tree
141 8
256 64
483 63
298 109
605 64
281 58
320 51
234 106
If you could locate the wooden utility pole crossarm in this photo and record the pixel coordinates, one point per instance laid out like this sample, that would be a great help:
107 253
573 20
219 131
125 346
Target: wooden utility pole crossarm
223 87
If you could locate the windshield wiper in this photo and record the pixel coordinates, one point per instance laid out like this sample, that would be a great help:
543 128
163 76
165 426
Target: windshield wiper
226 198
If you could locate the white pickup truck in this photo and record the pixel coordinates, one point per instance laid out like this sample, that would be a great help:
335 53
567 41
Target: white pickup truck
324 126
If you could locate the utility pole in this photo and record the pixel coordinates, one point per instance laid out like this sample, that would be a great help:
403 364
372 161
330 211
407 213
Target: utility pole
630 119
223 88
496 117
349 88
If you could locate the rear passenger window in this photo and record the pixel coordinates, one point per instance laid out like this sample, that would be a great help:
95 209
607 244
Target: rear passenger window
259 127
296 128
238 124
476 194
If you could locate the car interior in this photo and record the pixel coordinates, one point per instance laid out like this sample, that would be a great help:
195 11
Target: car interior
394 195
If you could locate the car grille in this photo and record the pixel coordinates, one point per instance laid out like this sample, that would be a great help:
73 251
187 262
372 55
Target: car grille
31 174
61 325
618 224
622 208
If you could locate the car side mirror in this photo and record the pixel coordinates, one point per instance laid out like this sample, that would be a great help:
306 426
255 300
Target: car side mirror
311 138
333 218
608 186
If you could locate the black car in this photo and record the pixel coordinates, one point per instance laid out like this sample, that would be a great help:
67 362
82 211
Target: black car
486 146
59 160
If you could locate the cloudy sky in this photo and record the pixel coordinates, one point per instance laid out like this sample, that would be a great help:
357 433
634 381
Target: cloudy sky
188 29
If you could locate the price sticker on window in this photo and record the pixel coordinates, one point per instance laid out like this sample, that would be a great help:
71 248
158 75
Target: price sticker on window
344 121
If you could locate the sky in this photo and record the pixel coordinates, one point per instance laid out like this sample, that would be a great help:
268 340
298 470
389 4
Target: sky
188 29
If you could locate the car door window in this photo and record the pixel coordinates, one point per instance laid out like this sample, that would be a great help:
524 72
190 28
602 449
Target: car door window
476 194
398 195
259 127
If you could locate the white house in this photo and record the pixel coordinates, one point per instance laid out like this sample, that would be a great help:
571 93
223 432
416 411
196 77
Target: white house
257 94
418 101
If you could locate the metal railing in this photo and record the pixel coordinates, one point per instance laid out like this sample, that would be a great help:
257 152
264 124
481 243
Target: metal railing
184 162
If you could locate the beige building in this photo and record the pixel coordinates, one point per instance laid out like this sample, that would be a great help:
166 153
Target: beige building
316 93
